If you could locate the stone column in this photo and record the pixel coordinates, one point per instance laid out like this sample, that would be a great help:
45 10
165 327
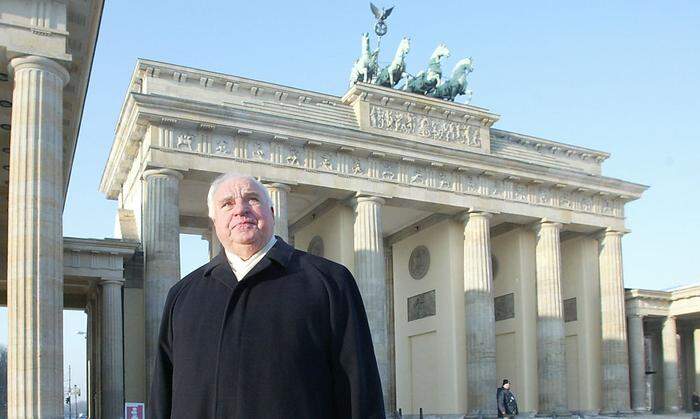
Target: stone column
391 331
370 273
278 194
35 240
616 388
636 359
696 347
551 359
161 247
686 369
672 388
112 348
479 313
213 241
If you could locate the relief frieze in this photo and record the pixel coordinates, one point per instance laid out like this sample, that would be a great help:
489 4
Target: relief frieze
424 126
378 167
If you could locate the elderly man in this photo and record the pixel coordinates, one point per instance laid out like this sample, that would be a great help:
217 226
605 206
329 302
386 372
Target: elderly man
263 330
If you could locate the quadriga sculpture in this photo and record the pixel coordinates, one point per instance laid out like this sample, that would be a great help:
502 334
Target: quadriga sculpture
390 75
425 81
457 85
365 68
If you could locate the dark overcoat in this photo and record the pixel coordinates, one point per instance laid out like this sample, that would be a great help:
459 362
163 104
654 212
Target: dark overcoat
290 340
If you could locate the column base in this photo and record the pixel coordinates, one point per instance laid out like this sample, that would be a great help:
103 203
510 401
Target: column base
557 414
427 416
617 413
481 415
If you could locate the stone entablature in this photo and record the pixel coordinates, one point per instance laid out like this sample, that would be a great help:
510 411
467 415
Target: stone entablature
685 300
369 108
647 302
64 31
377 166
96 258
230 118
675 302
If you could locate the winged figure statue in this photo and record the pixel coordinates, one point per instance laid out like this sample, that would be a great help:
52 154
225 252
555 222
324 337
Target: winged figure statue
381 15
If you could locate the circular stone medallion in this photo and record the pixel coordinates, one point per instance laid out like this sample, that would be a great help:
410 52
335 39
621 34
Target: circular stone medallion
316 246
419 262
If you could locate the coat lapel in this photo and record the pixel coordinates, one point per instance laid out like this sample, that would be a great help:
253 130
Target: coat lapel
219 269
280 253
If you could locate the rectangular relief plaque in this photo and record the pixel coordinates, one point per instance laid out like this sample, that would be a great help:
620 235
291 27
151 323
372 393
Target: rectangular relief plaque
421 305
504 307
570 310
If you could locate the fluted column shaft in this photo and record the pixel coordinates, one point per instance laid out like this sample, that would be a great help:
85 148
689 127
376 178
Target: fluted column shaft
112 348
35 240
278 194
669 347
370 273
161 245
479 314
616 387
213 242
551 360
696 345
636 359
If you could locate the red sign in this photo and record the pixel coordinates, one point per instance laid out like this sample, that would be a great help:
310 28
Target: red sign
134 411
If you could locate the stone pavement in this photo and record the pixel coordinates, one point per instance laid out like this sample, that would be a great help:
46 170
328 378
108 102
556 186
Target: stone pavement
634 416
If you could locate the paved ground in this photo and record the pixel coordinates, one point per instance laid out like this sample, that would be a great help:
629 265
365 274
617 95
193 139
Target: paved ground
662 416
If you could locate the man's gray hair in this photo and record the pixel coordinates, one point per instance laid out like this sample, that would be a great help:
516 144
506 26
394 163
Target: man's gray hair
228 176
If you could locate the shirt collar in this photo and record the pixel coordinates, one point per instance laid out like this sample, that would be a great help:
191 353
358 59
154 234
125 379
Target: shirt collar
281 252
236 261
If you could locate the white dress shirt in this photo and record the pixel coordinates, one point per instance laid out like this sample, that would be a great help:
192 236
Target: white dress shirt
241 267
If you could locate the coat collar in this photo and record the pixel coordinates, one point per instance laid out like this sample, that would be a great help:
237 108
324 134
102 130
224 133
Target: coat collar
219 267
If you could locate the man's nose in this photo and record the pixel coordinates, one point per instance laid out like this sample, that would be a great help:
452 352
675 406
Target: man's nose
240 207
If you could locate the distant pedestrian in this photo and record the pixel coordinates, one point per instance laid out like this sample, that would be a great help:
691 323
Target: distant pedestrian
507 405
696 406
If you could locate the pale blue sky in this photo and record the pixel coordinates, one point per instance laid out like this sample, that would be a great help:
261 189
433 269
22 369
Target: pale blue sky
620 77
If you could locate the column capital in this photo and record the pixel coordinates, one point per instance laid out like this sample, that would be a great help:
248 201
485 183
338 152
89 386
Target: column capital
636 315
41 63
112 281
362 197
473 213
278 185
546 223
610 232
162 172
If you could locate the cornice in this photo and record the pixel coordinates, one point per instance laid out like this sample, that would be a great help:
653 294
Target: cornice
641 294
206 78
541 143
100 246
690 291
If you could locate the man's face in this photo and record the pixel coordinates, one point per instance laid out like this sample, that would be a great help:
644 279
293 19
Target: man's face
242 217
506 386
